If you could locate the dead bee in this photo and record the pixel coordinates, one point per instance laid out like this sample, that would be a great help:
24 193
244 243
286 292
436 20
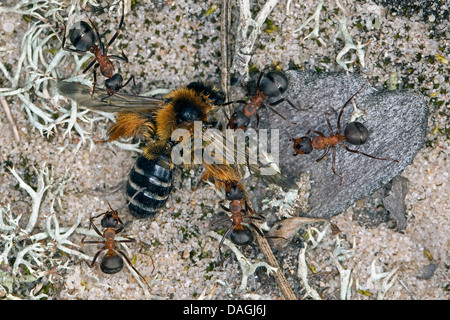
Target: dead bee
155 120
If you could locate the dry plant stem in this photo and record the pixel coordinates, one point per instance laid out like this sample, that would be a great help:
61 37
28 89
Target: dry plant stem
225 23
267 251
10 118
247 32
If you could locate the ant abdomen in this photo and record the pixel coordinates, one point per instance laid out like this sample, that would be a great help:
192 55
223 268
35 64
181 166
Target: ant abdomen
155 178
273 84
82 36
111 263
114 83
356 133
241 236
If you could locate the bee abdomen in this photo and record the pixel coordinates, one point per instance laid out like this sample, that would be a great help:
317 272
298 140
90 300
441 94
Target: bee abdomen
149 185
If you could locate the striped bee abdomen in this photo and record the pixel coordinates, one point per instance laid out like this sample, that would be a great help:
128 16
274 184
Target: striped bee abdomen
149 185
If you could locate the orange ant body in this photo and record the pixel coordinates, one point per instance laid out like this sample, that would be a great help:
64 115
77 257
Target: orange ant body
240 234
112 262
269 85
83 37
355 133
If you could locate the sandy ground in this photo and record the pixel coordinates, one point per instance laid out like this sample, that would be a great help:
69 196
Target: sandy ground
173 43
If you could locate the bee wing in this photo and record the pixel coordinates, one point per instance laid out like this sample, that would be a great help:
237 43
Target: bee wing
100 101
225 151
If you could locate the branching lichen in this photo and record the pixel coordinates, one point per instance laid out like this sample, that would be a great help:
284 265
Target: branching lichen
303 275
343 30
36 70
247 32
248 268
30 255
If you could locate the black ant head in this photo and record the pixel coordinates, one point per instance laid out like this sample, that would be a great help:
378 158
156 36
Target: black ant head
239 120
302 145
241 235
273 84
110 220
233 192
114 83
111 263
82 36
356 133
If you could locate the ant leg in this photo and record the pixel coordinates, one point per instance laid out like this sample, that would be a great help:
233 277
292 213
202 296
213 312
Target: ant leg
131 265
231 102
128 81
323 155
91 223
257 121
258 230
224 208
96 256
120 26
329 124
342 109
122 57
289 102
90 65
126 240
279 114
333 164
95 79
367 155
222 240
316 132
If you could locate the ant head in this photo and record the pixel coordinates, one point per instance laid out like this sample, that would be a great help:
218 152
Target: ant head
111 263
273 84
241 235
239 119
302 145
82 36
233 192
114 83
356 133
110 220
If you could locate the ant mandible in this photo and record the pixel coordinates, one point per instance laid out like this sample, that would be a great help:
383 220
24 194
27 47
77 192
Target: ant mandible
355 133
83 38
269 85
112 262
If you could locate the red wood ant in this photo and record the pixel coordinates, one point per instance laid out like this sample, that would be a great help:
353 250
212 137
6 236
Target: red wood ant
83 38
112 262
355 133
269 85
239 233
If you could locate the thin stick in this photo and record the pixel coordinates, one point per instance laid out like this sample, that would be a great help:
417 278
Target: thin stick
267 251
225 24
10 118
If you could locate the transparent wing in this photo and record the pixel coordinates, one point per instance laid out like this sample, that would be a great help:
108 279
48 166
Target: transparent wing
223 149
99 100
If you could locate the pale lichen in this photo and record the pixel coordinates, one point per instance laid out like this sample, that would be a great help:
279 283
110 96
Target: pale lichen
248 268
247 32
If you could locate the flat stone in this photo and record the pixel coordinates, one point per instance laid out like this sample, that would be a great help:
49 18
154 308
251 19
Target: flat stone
397 124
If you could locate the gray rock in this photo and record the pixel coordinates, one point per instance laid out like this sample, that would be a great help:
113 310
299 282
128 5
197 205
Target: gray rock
396 120
394 202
